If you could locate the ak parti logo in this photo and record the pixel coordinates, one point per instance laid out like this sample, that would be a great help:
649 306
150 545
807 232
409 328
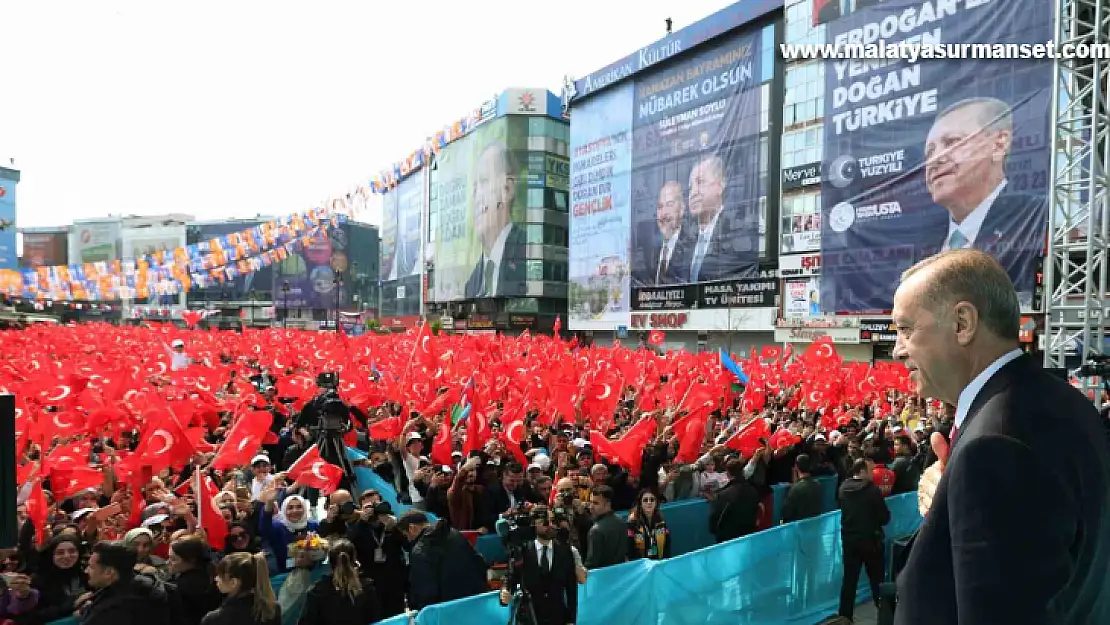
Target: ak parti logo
526 103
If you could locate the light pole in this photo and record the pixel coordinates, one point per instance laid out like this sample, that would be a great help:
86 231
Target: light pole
337 283
285 304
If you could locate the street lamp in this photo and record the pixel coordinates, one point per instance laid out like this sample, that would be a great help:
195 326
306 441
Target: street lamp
285 303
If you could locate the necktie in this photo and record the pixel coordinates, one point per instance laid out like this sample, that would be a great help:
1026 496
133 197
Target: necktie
957 241
545 563
664 260
699 256
487 278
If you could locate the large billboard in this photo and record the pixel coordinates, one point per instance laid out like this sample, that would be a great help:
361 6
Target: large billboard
480 196
240 287
401 211
94 242
601 208
933 155
8 251
44 249
317 274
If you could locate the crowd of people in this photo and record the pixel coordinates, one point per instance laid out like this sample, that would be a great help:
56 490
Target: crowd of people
167 474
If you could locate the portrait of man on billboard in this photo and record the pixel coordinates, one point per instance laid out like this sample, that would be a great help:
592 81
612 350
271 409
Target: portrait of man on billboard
828 10
405 249
670 262
500 270
716 251
965 173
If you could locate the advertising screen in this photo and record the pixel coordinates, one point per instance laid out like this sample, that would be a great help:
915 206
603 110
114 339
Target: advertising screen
8 251
312 270
401 211
480 189
44 249
93 242
238 288
934 155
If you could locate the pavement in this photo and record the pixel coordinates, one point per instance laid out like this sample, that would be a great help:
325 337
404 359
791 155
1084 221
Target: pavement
866 614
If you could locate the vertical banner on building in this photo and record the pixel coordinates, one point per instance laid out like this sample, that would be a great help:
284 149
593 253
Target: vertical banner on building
696 166
401 213
8 253
480 199
925 156
600 219
317 274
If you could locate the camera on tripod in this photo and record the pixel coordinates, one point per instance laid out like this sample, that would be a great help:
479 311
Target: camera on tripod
517 529
335 415
1097 365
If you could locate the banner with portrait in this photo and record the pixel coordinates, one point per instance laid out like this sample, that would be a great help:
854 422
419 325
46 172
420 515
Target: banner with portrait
8 259
479 201
317 274
925 156
402 208
600 219
696 166
44 249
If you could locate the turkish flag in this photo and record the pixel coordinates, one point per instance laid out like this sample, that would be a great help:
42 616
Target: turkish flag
313 471
243 440
746 441
38 511
656 337
70 481
209 517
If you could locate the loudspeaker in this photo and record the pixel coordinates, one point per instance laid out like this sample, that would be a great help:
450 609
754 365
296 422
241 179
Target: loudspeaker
9 530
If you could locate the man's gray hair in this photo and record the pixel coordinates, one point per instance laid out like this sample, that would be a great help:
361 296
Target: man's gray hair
975 277
504 158
993 114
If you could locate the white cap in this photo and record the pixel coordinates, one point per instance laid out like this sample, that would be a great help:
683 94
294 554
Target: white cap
414 436
580 442
820 437
260 458
178 343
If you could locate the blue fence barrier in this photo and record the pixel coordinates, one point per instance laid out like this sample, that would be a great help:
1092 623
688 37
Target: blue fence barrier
789 574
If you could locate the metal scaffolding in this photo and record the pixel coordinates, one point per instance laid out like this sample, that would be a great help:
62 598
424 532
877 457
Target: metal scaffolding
1075 269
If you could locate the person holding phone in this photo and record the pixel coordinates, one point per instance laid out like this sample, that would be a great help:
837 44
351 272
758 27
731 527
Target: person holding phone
16 595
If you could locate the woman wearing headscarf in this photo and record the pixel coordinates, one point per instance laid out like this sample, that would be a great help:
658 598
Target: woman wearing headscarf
60 580
142 540
648 536
288 526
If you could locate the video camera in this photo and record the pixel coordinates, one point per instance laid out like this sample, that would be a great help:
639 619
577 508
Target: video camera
1097 365
517 529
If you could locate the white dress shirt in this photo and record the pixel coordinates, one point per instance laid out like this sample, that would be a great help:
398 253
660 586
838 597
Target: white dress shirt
970 226
539 552
971 391
495 255
701 246
667 256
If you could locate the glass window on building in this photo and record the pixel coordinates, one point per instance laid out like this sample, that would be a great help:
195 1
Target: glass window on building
551 271
762 225
800 147
799 23
765 107
805 93
546 234
801 222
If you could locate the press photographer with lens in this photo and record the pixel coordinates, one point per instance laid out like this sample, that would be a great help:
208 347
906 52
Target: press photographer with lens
542 584
328 417
380 547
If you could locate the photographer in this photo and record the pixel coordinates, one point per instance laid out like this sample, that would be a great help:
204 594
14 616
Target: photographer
572 513
380 549
547 571
342 512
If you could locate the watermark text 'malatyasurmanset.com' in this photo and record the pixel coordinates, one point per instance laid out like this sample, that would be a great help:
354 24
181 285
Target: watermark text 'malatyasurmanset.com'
914 52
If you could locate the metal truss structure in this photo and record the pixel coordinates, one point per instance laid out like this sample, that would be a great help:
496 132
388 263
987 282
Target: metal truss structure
1075 269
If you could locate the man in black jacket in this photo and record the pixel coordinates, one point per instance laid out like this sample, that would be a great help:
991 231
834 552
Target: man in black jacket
121 597
607 541
863 515
735 510
379 546
805 497
443 565
510 494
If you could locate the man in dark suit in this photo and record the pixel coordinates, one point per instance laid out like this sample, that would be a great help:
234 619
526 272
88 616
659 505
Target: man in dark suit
510 494
965 172
1017 512
721 244
669 262
548 574
500 271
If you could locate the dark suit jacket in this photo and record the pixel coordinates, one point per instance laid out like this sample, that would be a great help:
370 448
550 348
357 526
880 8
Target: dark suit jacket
1014 233
678 269
733 250
554 596
511 273
1019 529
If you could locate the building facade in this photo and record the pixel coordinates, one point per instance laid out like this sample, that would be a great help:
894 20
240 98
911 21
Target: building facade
9 179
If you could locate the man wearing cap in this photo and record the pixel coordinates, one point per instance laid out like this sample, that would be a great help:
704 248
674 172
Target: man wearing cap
411 446
443 565
178 358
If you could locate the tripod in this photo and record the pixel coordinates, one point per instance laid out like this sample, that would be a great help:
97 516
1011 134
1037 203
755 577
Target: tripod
332 449
521 603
